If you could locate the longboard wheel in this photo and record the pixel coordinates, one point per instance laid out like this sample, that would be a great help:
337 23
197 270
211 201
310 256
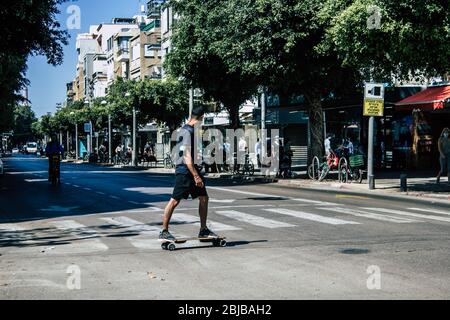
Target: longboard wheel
223 243
171 247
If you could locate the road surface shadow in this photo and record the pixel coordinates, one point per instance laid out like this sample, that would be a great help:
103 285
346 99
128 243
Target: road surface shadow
229 244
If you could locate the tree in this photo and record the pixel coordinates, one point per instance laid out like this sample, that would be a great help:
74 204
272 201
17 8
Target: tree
28 28
23 120
317 49
201 61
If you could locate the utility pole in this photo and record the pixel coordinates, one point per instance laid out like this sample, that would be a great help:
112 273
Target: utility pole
373 107
109 139
191 101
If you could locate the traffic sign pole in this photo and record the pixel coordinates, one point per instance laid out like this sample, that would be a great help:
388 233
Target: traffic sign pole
370 175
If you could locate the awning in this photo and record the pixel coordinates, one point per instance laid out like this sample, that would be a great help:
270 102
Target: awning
432 98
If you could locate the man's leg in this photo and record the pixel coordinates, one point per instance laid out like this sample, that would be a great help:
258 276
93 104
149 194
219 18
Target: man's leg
203 210
168 211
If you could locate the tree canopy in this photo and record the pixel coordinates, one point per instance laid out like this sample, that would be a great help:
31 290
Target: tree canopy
28 28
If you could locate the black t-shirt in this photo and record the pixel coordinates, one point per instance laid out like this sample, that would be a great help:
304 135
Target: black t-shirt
185 140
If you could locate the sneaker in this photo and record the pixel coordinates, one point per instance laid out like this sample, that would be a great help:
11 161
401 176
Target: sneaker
166 235
206 233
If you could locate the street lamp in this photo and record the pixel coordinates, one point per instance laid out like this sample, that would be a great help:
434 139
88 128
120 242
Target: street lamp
76 136
109 133
88 102
133 153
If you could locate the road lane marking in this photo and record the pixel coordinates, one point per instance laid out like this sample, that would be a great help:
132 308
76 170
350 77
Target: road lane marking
147 237
265 195
431 210
222 200
58 209
370 215
89 236
254 220
134 202
87 189
345 196
114 197
76 186
316 202
311 216
215 226
99 192
35 180
405 213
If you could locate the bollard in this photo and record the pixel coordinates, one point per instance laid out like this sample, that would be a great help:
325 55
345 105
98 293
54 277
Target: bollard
403 183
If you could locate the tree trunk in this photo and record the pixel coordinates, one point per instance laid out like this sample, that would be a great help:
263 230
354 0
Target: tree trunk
234 117
316 147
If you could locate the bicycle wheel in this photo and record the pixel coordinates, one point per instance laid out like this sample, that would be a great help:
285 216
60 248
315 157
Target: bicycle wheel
343 173
313 169
323 171
251 169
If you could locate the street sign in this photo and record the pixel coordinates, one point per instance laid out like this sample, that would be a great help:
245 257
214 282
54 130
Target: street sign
373 107
373 100
87 127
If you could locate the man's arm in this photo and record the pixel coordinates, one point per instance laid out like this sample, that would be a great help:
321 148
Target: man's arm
188 161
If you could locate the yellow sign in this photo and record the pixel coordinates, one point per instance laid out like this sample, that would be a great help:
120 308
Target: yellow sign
374 107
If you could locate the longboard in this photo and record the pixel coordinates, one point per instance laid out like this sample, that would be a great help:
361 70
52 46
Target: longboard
171 244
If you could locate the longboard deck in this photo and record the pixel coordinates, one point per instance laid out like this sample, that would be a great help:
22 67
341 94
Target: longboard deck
184 240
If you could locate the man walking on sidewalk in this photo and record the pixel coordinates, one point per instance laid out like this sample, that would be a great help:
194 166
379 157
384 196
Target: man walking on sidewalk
188 180
444 154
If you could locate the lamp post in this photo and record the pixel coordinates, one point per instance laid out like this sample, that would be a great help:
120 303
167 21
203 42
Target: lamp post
109 135
76 137
133 153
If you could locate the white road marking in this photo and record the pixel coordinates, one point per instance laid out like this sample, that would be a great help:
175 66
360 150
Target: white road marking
87 189
81 232
215 226
99 192
316 202
221 200
405 213
370 215
147 237
254 220
35 180
134 202
76 186
114 197
311 216
431 210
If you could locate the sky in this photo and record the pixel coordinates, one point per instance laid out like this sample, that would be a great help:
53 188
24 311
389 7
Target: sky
48 83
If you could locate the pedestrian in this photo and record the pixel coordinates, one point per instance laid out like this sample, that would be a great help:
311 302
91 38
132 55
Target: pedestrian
328 150
188 180
444 154
258 152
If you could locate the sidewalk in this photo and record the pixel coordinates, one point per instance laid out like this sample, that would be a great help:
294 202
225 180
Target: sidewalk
421 185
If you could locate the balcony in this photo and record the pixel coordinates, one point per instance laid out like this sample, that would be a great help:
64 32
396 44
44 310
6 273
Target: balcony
123 55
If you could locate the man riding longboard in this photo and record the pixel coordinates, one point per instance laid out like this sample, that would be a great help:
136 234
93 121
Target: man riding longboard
188 180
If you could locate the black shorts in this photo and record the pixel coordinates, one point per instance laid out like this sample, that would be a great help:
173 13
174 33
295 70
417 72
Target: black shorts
185 186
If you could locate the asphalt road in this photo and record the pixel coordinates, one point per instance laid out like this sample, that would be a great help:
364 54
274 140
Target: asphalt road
95 236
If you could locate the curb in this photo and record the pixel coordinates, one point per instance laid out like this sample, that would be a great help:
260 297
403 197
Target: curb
445 203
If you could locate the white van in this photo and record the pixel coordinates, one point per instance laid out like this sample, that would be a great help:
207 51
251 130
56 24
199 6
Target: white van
32 148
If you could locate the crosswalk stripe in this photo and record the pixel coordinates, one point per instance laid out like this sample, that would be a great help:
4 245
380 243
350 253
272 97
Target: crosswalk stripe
254 220
369 215
316 202
81 232
430 210
405 213
311 216
133 225
215 226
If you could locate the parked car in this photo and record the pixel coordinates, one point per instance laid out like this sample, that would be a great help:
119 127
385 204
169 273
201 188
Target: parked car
15 150
1 168
31 148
